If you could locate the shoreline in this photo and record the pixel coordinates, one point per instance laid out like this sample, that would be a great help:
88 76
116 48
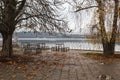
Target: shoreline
17 50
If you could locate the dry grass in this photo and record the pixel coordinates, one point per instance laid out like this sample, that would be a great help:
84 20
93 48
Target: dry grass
102 58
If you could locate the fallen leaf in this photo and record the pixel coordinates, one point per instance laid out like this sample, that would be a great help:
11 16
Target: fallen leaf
13 76
30 76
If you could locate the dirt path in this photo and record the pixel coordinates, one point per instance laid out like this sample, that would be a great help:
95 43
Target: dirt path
60 66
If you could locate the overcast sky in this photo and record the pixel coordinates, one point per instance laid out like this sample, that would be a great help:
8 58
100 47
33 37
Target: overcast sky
79 22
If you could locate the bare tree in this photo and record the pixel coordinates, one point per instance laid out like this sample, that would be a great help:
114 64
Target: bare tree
33 14
108 43
105 9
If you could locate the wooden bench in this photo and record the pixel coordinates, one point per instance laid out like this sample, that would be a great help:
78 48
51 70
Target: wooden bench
28 48
60 47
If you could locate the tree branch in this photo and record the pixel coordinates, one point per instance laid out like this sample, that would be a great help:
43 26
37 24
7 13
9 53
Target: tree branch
20 7
31 16
85 8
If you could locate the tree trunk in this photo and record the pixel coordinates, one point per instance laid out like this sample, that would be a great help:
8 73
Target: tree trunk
108 44
7 49
108 48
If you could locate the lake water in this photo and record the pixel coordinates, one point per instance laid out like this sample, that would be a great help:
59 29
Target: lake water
72 43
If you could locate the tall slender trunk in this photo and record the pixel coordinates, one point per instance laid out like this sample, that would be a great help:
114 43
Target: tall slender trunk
7 49
108 45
